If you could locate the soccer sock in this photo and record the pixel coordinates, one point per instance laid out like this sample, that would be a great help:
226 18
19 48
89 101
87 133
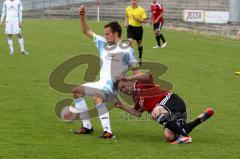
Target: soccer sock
104 117
188 127
163 39
171 124
140 50
21 44
10 44
81 106
158 40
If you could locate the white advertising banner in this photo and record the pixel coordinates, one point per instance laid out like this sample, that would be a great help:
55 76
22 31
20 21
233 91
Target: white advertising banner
193 15
219 17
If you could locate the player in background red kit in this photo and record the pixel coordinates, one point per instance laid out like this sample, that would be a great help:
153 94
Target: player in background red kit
157 21
165 107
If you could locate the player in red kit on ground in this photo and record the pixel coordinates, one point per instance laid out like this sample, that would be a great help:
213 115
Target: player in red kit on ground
165 107
157 21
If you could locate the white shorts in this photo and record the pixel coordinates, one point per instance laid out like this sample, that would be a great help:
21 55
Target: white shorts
101 89
12 27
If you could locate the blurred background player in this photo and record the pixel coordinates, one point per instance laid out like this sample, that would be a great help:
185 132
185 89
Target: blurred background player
134 17
12 9
157 21
238 34
114 62
165 107
237 73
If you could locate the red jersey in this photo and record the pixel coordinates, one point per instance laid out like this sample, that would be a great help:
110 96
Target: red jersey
156 10
147 95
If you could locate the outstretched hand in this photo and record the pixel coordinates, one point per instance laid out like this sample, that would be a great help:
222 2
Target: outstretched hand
82 11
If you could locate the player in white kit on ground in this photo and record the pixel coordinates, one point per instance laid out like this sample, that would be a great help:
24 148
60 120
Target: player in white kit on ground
12 10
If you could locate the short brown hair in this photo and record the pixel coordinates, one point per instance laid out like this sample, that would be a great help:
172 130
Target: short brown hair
115 27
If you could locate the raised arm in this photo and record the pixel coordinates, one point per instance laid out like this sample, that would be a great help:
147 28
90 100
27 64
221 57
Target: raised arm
85 28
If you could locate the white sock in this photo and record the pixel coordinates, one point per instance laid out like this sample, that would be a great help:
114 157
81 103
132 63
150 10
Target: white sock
81 106
104 117
21 44
10 44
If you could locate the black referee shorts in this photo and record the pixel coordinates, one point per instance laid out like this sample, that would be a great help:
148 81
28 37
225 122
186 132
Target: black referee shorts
135 33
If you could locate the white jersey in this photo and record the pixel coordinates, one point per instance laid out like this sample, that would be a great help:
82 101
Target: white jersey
115 60
12 9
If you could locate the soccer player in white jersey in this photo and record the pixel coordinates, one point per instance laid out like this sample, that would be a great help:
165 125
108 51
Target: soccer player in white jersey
12 10
116 59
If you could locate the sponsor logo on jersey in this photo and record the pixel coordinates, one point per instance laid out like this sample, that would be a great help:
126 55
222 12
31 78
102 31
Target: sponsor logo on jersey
141 101
112 57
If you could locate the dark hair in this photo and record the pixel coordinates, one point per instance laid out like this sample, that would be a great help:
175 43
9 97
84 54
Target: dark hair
115 27
116 84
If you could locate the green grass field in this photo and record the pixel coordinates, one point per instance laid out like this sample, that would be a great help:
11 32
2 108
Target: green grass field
200 67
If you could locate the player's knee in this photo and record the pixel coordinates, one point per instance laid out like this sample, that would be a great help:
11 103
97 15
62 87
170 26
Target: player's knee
159 112
139 43
97 100
155 115
163 118
19 36
169 136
